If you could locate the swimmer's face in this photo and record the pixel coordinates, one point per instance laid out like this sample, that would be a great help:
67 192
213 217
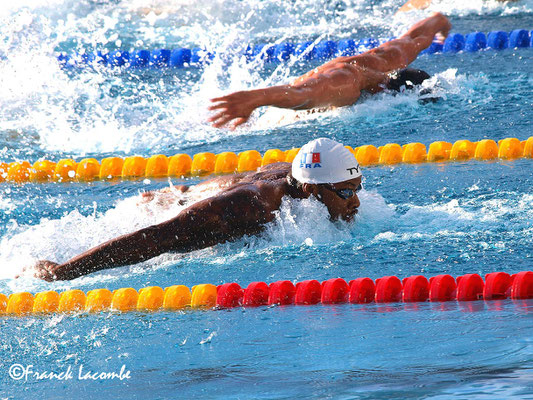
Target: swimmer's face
341 203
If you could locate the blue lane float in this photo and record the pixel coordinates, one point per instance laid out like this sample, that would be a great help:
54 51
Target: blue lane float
519 38
454 43
306 51
475 41
498 40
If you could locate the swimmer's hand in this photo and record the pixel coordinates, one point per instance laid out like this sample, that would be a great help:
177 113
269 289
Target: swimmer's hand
441 36
45 270
165 196
236 107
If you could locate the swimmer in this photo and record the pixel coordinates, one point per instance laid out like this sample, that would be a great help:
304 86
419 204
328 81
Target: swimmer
423 4
338 82
322 169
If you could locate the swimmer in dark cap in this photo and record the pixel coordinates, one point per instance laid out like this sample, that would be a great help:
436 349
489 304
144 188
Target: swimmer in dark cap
339 82
322 169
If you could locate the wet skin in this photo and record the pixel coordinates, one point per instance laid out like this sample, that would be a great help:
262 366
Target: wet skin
338 82
247 202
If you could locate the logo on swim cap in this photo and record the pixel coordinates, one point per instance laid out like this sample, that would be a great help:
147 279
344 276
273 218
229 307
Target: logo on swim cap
324 161
310 160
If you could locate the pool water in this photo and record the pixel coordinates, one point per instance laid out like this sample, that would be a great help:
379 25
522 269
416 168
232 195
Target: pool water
429 219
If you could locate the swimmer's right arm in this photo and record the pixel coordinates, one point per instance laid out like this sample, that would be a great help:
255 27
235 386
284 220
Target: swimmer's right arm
206 223
337 88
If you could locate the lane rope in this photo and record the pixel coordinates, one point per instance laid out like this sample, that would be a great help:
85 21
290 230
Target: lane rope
202 164
279 52
388 289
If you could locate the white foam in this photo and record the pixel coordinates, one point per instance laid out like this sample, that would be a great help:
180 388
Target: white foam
458 218
459 8
6 204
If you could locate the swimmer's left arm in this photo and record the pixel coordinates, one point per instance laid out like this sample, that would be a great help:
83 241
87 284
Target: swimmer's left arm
206 223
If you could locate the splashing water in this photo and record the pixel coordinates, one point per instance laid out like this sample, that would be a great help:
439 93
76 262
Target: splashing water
48 110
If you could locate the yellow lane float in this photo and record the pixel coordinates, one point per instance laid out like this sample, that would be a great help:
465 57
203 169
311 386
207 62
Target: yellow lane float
183 165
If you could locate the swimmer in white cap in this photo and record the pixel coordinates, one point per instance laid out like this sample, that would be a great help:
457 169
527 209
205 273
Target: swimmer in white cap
323 169
341 81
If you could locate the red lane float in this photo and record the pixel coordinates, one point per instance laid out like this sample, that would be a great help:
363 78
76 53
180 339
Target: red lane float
308 292
335 291
256 294
442 288
522 285
469 287
362 290
229 295
388 289
415 289
282 293
497 286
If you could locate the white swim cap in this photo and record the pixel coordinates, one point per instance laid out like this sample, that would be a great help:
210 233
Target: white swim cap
324 161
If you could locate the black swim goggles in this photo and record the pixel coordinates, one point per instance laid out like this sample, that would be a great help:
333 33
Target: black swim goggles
345 193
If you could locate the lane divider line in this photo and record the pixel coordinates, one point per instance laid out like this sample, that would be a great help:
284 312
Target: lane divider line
388 289
275 53
201 164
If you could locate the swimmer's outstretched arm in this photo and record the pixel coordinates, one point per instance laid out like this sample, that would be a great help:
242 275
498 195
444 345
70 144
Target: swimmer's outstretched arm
337 88
206 223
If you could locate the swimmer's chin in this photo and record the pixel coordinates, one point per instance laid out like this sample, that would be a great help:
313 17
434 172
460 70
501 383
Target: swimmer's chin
344 218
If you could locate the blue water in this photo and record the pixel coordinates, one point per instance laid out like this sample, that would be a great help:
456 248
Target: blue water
456 218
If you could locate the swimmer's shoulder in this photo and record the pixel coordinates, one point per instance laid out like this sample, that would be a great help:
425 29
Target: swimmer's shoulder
273 171
276 166
268 173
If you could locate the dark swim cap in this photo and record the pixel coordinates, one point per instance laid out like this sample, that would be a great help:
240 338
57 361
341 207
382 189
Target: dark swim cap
408 78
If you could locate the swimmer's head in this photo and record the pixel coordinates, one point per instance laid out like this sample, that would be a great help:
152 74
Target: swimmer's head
330 172
324 161
407 79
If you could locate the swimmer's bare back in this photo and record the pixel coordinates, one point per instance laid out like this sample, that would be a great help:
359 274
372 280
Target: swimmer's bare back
240 209
220 183
336 83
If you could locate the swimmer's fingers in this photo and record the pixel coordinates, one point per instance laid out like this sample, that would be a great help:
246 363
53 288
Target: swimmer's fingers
219 99
238 122
440 38
24 272
218 106
218 115
223 120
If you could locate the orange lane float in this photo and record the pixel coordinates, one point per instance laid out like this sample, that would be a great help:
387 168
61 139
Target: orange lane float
439 151
156 166
134 167
111 167
65 170
42 171
226 163
273 156
203 164
88 169
179 165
